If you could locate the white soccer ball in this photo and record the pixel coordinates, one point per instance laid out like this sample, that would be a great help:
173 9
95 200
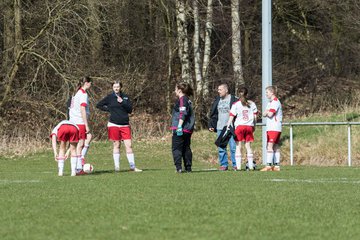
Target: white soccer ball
88 168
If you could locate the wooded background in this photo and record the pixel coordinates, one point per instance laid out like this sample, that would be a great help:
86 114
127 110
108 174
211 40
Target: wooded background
47 46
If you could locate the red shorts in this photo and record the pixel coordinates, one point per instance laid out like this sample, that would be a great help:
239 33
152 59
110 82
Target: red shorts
68 133
273 137
82 131
244 133
119 133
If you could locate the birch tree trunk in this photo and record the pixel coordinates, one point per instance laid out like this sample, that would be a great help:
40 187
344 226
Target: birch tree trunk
207 48
183 42
197 51
236 45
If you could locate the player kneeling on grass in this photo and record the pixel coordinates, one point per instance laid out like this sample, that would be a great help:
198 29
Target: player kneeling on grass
245 112
65 132
274 114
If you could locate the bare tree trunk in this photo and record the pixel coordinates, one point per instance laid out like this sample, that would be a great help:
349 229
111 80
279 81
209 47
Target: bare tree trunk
8 40
94 21
168 30
18 52
18 30
183 42
207 48
197 51
236 44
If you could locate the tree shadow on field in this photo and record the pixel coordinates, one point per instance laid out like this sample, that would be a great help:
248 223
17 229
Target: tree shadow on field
205 170
100 172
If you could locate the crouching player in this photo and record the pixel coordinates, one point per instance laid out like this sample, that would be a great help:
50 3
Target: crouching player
245 112
65 132
274 116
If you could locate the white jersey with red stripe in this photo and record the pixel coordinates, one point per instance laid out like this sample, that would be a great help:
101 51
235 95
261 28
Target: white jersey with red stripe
80 99
245 115
275 122
56 128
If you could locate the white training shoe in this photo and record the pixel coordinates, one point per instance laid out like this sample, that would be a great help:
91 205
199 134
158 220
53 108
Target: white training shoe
117 169
73 174
60 174
135 170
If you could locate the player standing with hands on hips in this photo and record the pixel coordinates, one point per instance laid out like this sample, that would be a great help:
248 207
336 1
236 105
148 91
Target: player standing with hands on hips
119 106
182 125
79 114
274 115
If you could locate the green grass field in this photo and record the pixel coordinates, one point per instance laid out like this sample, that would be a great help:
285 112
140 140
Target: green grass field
297 203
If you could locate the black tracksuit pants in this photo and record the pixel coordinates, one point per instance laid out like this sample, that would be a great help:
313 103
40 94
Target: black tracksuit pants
181 150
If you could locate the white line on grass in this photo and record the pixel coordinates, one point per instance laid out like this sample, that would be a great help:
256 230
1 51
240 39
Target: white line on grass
5 181
329 180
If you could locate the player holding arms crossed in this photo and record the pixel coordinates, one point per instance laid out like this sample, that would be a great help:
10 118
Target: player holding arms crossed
245 112
274 116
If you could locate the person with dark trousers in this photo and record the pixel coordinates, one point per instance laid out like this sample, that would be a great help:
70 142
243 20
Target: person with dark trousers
182 125
219 116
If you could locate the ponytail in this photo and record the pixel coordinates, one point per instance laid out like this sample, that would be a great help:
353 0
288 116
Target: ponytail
243 96
82 81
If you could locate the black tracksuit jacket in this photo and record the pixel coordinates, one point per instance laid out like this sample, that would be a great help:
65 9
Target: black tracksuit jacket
119 112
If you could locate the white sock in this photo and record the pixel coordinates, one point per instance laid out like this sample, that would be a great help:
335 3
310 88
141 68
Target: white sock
78 163
277 158
131 160
116 157
269 157
73 165
238 161
84 150
250 159
61 162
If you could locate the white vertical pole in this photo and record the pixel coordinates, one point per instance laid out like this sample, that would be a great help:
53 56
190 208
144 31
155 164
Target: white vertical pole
349 145
291 146
266 64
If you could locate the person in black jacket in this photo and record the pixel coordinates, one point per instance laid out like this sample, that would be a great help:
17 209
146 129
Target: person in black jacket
119 106
219 116
182 125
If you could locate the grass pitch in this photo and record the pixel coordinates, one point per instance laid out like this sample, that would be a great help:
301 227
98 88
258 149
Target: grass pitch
296 203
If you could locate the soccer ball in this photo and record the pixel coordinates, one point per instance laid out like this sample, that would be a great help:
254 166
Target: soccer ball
247 166
88 168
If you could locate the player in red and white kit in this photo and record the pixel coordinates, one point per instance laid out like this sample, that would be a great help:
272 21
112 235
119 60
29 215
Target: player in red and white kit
79 114
274 116
245 113
65 132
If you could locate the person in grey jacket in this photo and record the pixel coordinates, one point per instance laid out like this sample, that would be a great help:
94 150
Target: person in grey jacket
219 116
182 125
